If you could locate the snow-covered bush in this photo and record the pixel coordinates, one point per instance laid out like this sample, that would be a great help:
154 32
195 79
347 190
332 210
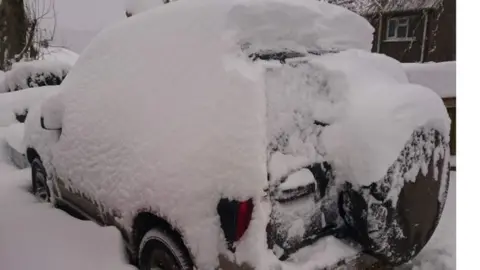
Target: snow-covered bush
34 74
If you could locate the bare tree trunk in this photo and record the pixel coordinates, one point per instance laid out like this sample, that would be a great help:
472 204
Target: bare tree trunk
14 25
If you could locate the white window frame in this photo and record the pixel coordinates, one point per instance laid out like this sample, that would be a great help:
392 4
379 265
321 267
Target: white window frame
404 24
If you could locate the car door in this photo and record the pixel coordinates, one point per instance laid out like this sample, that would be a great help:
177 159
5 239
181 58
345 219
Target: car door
79 201
51 120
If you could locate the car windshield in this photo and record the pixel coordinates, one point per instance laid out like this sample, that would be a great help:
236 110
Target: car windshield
282 56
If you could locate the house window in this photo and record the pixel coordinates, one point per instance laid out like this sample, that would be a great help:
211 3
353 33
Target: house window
398 29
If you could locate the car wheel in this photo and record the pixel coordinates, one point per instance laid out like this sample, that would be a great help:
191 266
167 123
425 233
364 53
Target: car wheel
393 219
39 181
158 250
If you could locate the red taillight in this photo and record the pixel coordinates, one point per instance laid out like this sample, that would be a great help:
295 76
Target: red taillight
235 217
244 215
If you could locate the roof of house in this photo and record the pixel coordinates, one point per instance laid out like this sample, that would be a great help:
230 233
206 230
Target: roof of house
373 6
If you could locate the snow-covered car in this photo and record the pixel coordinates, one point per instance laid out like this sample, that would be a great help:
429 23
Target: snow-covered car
14 108
245 135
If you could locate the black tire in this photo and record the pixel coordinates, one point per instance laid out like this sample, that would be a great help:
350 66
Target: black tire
395 232
162 249
39 181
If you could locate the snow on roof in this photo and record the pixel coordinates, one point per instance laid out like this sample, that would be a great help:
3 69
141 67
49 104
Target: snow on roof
440 77
268 26
374 6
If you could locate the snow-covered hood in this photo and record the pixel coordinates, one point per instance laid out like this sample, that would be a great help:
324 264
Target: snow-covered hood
17 102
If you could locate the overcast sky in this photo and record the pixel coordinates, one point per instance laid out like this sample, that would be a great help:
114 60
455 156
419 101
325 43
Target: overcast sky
78 21
88 14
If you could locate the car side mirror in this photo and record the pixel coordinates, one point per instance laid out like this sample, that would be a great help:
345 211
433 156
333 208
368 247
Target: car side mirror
52 113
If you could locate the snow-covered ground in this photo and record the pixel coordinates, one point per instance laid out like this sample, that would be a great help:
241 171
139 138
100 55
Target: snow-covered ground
36 236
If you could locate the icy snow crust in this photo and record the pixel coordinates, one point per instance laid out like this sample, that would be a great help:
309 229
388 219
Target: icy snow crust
174 116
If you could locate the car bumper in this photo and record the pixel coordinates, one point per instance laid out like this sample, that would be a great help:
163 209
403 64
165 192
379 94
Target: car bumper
17 158
360 261
226 264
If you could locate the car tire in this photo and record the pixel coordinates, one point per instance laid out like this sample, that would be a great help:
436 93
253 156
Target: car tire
396 231
161 249
39 181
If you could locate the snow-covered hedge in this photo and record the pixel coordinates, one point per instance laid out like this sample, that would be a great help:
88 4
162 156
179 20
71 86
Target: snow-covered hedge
34 74
440 77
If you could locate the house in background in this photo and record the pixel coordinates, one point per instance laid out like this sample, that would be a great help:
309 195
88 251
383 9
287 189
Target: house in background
417 31
413 30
